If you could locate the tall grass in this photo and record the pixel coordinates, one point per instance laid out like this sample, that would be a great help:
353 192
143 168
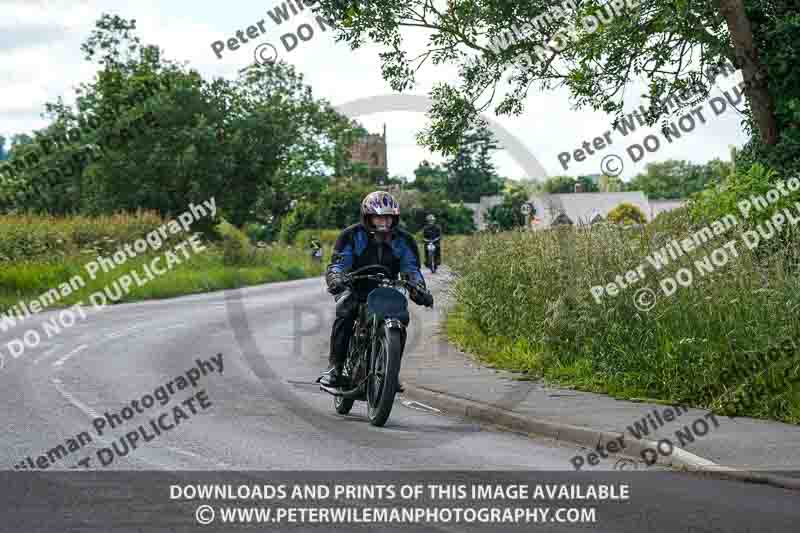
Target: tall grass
39 253
524 302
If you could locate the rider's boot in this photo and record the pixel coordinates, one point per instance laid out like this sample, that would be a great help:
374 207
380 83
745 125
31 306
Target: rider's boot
331 377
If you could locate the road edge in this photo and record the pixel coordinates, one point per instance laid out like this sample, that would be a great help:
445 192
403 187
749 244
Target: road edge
584 436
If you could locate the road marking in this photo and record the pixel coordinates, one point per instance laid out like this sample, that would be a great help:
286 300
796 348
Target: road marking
70 354
73 400
92 414
173 327
46 354
197 456
120 333
412 404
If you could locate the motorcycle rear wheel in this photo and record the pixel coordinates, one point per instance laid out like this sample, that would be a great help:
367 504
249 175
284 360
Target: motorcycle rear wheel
384 377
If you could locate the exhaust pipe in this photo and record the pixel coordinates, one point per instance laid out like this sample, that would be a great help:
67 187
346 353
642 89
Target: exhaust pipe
352 394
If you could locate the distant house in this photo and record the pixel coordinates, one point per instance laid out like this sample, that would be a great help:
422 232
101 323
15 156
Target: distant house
578 208
661 206
583 208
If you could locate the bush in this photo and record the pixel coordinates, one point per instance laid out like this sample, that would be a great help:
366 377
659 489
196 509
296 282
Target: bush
236 246
257 232
30 238
626 213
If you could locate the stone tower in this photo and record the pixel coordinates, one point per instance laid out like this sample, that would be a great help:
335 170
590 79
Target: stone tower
372 152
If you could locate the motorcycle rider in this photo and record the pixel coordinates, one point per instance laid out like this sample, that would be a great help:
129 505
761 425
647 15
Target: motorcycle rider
432 231
376 239
316 249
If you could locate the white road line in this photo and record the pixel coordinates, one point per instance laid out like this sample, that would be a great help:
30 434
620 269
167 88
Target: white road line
73 400
92 414
120 333
46 354
175 326
412 404
70 354
197 456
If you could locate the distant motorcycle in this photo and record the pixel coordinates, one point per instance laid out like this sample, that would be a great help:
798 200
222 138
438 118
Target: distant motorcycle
316 252
372 368
430 254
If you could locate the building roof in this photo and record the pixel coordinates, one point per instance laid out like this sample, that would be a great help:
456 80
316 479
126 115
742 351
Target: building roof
582 207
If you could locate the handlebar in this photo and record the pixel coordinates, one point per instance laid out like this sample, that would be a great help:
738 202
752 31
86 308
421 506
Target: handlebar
383 278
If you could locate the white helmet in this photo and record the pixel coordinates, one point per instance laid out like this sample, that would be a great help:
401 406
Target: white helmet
379 203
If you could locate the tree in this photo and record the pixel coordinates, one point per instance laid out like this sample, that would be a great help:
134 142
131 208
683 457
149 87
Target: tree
672 44
471 173
559 185
162 136
430 178
626 213
3 154
508 215
588 184
677 179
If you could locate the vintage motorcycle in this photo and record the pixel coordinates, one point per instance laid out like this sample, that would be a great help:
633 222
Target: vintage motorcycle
430 254
372 368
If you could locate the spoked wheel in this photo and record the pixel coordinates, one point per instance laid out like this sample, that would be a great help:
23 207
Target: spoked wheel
383 380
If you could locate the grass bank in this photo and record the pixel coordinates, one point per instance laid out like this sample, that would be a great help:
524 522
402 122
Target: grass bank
523 303
40 253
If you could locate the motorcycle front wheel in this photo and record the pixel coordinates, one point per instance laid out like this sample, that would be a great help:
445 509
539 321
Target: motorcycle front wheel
383 380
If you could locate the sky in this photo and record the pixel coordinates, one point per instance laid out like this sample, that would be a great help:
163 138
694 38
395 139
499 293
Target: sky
41 62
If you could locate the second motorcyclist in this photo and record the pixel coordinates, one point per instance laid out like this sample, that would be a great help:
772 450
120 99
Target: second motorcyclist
431 232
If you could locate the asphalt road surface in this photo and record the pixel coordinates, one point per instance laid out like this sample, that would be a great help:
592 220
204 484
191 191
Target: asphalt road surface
263 412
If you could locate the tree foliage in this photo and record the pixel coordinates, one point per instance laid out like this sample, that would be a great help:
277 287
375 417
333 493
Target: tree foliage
508 215
506 49
162 136
626 213
677 179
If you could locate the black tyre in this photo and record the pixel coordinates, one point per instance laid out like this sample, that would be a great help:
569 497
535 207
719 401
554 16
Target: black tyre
383 381
342 405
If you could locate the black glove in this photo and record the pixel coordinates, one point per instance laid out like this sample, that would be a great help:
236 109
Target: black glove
337 283
421 296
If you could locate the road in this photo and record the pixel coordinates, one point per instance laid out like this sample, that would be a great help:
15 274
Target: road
264 413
